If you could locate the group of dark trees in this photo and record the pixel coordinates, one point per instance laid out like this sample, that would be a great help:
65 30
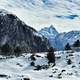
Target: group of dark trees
76 44
7 50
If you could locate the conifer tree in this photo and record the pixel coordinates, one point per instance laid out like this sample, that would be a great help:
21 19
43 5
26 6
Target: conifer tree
76 43
51 55
67 47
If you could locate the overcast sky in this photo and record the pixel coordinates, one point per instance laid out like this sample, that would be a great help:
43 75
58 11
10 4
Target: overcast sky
62 14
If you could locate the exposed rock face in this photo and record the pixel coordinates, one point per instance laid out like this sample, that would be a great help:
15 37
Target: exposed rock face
16 33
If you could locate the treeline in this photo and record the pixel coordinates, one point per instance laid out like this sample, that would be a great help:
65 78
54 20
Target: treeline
76 45
7 50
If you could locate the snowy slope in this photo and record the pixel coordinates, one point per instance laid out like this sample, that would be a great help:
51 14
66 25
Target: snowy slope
19 68
64 14
63 38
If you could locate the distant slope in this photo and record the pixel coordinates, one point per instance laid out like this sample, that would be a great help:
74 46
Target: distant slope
59 40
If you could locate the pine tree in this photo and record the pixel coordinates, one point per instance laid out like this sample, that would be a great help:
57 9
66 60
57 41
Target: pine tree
17 51
76 43
51 55
67 47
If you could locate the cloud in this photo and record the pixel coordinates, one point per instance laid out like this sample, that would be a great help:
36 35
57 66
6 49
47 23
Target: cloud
67 17
39 16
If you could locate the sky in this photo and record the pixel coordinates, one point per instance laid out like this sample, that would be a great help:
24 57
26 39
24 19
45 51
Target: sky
64 15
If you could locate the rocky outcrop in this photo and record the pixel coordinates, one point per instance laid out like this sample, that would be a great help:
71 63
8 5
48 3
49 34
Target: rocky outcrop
16 33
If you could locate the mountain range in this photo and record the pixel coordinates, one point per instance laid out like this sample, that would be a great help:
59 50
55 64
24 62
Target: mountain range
59 40
16 33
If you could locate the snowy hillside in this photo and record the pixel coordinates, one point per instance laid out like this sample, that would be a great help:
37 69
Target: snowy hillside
64 14
19 68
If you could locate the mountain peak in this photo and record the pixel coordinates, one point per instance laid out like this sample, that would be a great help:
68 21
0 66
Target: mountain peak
49 31
52 29
51 26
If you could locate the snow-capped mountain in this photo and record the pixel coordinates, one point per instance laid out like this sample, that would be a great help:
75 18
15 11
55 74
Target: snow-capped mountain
49 32
59 40
16 33
64 14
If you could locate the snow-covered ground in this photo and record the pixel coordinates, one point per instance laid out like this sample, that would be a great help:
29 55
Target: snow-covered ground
19 68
